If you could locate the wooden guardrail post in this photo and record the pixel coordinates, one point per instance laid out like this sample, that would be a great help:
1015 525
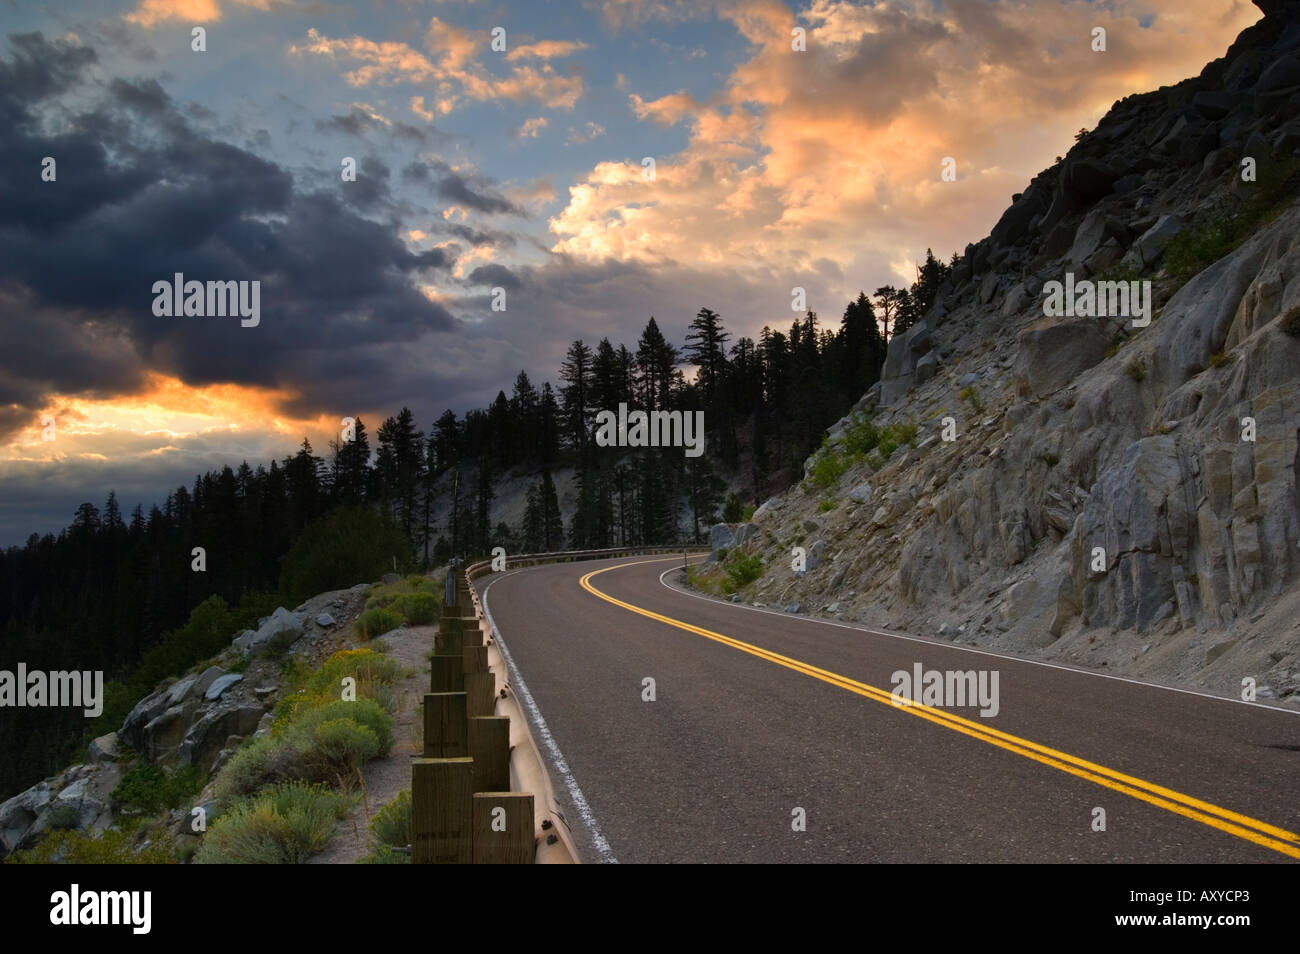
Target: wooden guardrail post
446 725
489 747
442 812
503 828
474 659
480 693
446 673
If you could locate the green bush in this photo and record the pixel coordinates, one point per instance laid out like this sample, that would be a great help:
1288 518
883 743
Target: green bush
364 712
392 823
828 468
148 789
347 545
286 824
827 504
733 511
376 622
420 609
743 569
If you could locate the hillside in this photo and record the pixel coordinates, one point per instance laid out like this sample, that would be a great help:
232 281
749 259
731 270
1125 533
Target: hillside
1172 447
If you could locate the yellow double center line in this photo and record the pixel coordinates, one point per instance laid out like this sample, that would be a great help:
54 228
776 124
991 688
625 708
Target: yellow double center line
1234 823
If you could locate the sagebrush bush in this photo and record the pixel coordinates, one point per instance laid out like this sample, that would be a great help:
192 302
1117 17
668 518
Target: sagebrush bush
392 823
420 609
376 622
286 824
364 712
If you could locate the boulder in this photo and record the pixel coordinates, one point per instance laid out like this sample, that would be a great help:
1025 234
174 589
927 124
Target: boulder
1054 351
860 494
1096 229
208 735
281 621
1282 73
1146 251
1087 180
221 684
19 814
105 748
325 620
927 367
745 532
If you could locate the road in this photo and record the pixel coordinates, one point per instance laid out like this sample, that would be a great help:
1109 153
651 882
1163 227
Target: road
761 720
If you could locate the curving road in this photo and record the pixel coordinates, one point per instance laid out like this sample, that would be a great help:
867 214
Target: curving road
760 714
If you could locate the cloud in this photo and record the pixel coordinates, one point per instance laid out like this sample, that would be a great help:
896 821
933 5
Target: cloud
834 153
531 127
666 110
586 134
339 291
545 50
450 68
152 12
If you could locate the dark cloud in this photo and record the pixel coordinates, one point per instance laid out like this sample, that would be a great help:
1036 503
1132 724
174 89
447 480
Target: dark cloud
140 195
494 275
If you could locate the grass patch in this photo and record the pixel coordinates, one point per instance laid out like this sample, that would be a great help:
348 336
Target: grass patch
111 847
1136 369
1219 359
972 397
827 504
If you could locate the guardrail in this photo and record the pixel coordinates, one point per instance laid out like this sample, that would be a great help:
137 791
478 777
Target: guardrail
470 797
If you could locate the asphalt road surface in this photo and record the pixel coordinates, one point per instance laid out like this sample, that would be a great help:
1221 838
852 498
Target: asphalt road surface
765 723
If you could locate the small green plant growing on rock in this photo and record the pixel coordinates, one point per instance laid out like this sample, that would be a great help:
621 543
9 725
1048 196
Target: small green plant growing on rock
1137 370
972 397
1219 359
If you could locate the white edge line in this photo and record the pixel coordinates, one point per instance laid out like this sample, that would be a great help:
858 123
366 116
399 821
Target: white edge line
552 747
968 649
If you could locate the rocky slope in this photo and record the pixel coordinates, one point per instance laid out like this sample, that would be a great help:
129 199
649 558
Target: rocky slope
1077 433
199 720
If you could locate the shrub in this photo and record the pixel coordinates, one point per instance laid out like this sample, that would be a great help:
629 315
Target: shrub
827 503
420 609
148 789
254 765
743 569
733 510
364 712
336 750
1137 370
1050 459
970 395
376 622
1219 359
392 823
286 824
346 545
828 469
62 817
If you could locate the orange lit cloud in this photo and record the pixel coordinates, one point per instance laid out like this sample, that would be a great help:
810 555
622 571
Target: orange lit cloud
833 154
450 67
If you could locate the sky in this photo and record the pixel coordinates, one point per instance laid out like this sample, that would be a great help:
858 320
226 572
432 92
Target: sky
496 145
